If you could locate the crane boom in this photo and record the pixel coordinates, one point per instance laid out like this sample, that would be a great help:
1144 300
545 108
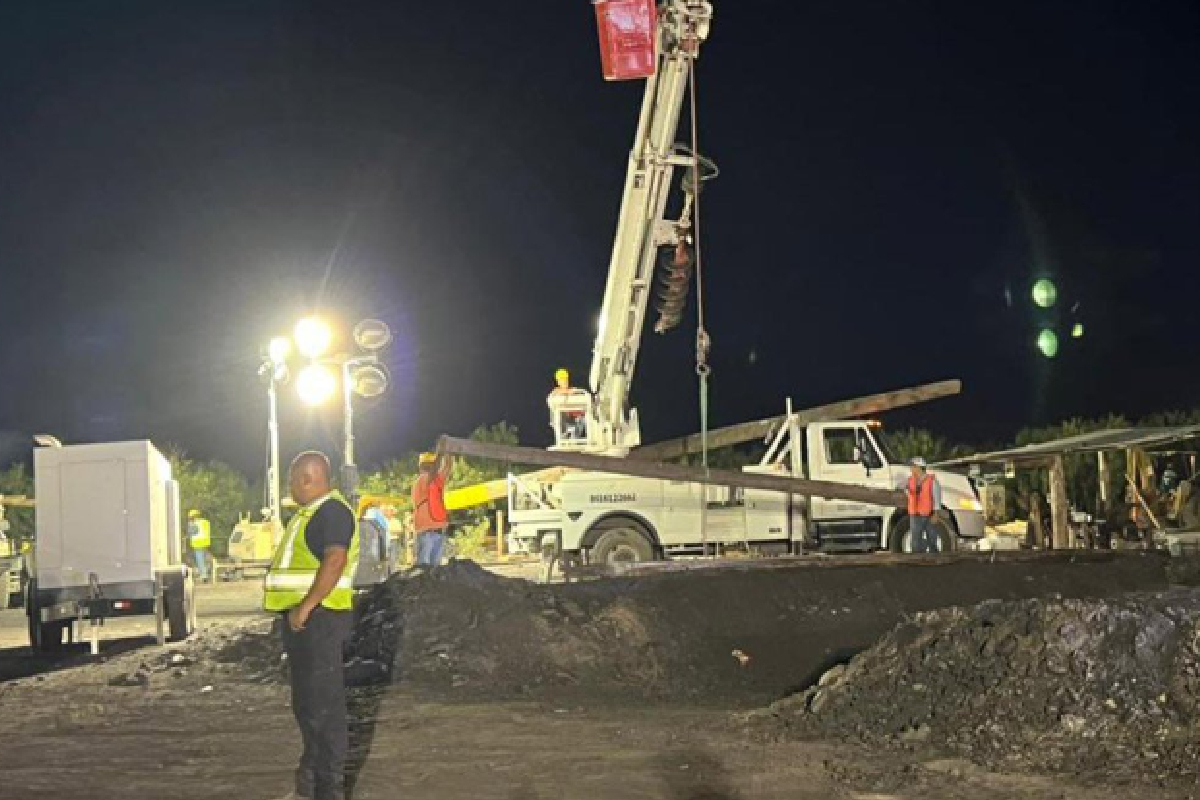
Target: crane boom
612 427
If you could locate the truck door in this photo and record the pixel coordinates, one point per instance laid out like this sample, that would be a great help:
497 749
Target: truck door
845 454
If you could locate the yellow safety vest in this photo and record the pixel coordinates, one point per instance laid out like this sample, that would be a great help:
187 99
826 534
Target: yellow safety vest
294 566
201 538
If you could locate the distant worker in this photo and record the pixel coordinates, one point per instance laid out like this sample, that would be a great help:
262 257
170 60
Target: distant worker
373 563
924 500
571 422
310 585
430 518
200 540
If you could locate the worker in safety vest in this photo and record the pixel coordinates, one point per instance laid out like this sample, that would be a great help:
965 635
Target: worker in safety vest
924 500
200 540
430 518
310 585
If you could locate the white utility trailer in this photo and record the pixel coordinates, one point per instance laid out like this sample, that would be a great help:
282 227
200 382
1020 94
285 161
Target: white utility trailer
108 543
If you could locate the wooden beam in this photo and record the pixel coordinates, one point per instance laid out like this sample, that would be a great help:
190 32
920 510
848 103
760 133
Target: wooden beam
669 472
759 429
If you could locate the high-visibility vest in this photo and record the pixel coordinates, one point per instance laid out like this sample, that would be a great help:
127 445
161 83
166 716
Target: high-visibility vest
200 534
429 503
294 566
920 498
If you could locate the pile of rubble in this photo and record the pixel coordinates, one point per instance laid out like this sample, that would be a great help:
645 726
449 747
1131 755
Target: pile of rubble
1103 689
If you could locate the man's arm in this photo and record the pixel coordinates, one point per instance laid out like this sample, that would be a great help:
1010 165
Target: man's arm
328 575
936 492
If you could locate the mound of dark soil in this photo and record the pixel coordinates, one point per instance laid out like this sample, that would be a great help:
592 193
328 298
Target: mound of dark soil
1098 688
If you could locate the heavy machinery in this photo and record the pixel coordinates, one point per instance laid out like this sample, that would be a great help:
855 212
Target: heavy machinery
601 516
14 555
251 545
108 542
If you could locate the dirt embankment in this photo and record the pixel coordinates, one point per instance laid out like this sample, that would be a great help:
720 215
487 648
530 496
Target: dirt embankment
734 637
738 637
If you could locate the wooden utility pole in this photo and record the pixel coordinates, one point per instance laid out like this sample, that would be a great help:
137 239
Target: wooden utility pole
1060 511
759 429
669 472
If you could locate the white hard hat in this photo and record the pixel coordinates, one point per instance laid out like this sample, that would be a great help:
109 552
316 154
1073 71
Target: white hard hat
918 462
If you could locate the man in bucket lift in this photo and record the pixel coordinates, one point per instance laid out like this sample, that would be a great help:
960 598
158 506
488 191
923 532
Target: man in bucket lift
572 420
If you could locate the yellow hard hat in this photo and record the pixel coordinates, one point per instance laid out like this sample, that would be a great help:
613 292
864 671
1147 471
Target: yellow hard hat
427 458
562 374
193 514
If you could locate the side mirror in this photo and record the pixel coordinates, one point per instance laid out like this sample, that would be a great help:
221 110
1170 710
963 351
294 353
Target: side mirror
860 456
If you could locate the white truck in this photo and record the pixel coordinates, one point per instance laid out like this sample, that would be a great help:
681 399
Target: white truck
592 517
107 542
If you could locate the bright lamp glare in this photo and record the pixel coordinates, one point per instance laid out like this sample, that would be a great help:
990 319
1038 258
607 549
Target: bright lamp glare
316 384
313 337
1047 342
1045 293
278 349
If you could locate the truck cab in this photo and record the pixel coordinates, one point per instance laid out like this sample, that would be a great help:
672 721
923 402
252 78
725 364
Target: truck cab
857 452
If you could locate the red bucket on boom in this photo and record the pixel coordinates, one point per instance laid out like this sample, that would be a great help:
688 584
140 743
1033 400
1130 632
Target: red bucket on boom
627 38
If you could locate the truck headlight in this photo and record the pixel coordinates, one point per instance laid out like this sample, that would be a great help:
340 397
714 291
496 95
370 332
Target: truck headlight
969 504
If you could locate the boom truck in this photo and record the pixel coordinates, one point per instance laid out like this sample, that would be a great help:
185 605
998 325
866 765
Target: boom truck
592 516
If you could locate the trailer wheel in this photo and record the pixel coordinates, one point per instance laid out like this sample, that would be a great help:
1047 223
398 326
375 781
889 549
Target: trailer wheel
624 545
900 540
179 595
44 637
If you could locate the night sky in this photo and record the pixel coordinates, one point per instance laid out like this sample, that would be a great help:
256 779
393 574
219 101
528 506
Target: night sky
182 180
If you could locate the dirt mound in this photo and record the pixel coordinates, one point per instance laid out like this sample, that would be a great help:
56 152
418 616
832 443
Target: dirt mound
1105 689
729 636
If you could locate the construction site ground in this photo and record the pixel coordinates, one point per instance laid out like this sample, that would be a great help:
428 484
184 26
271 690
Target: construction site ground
674 685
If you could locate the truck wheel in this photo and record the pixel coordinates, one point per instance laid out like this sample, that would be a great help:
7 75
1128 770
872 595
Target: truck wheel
624 545
900 540
179 595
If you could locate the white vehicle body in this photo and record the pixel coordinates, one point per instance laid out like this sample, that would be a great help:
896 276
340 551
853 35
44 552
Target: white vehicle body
108 541
573 514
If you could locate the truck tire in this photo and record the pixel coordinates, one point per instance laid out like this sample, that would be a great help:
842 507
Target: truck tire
900 540
44 637
622 545
179 596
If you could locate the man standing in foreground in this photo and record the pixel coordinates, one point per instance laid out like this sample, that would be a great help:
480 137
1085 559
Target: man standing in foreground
310 584
430 518
924 500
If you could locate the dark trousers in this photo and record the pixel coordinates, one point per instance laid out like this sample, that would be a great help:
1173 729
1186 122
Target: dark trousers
924 537
315 657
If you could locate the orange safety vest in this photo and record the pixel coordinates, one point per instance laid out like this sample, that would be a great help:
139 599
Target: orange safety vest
920 498
429 504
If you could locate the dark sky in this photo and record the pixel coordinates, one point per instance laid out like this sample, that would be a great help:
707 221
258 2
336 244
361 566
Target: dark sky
182 180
